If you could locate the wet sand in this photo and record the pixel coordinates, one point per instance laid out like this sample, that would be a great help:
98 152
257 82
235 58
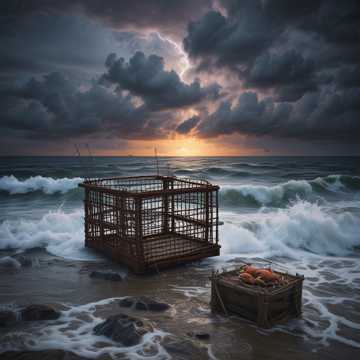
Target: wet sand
66 285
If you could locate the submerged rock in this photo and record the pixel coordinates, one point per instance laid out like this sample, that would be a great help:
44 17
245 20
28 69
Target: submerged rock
112 276
127 302
183 349
39 312
7 262
201 335
40 355
144 303
125 329
23 260
7 317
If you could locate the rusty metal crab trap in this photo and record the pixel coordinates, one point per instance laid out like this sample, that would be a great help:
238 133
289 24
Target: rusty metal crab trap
149 222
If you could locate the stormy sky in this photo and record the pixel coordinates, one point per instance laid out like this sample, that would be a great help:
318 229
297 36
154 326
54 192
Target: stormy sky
191 77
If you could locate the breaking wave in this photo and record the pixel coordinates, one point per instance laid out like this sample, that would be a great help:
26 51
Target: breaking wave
282 194
260 195
60 233
303 226
47 185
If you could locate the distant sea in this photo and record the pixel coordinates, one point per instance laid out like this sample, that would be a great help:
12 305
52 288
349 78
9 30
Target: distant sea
303 212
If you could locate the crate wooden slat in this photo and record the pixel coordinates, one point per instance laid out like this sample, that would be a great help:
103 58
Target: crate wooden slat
148 222
266 306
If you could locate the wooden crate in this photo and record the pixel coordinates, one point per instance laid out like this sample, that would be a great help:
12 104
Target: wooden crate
266 306
149 222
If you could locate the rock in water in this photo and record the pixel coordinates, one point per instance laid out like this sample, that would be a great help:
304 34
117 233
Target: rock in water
127 302
201 335
39 312
112 276
41 355
183 349
144 303
23 260
7 262
123 328
7 317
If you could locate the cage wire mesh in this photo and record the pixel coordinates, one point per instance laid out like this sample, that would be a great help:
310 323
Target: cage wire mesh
151 221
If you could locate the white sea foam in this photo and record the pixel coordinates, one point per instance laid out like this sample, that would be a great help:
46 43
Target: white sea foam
60 233
47 185
281 194
190 291
324 318
73 331
266 195
301 227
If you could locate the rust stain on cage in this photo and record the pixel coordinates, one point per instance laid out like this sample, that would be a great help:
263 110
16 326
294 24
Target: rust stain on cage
149 222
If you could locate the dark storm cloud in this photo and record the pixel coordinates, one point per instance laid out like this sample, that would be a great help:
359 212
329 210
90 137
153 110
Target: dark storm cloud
57 106
160 89
40 43
186 126
247 42
64 52
304 54
315 116
54 107
252 30
291 66
170 16
289 73
248 29
348 77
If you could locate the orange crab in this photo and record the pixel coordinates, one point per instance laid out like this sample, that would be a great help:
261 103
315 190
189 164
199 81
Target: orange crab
267 275
247 278
252 270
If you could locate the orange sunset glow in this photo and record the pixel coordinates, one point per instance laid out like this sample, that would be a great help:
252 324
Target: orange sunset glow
186 146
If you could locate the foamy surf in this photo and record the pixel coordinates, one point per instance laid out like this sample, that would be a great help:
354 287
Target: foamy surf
302 227
59 232
327 316
329 305
281 194
238 195
47 185
73 332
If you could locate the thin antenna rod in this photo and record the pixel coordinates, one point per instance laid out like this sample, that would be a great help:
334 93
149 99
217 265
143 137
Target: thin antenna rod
81 162
77 150
90 155
157 161
88 149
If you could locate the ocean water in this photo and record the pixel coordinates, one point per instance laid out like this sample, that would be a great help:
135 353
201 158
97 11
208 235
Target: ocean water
300 212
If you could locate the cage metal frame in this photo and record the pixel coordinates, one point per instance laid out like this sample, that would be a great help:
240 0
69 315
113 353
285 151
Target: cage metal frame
150 222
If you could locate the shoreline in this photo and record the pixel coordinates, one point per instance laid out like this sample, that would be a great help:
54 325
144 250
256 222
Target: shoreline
66 283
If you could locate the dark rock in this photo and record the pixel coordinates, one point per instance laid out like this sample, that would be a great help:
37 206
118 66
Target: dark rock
7 317
112 276
183 349
144 303
125 329
23 260
127 302
41 355
8 262
39 312
201 335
